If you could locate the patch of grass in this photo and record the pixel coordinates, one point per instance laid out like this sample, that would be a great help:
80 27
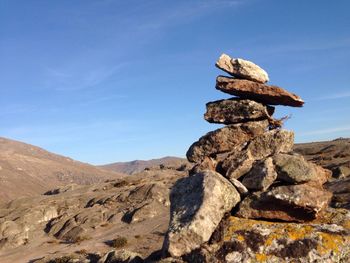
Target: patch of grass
78 239
64 259
118 242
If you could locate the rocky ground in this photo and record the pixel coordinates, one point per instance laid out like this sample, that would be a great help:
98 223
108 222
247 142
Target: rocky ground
89 220
79 221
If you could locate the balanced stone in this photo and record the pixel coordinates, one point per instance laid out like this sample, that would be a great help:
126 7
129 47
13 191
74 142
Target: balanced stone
288 203
303 196
241 68
269 143
247 89
261 176
236 110
225 139
293 168
198 203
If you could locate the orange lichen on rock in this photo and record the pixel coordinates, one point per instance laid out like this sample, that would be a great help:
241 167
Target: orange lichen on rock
266 241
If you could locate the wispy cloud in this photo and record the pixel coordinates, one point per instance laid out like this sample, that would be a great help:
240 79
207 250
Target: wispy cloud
89 66
326 131
79 77
182 13
334 96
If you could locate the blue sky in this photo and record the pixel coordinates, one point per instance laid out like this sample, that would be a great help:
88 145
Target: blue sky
104 81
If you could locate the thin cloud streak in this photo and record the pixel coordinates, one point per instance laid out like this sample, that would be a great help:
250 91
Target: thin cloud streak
340 95
326 131
90 67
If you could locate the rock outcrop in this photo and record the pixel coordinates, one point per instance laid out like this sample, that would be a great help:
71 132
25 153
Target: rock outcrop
254 156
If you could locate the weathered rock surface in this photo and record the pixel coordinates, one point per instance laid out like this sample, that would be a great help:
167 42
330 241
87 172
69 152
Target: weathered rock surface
86 217
293 168
198 203
288 203
239 186
266 94
225 139
303 196
233 111
241 68
207 164
239 162
261 176
247 240
271 142
341 192
341 172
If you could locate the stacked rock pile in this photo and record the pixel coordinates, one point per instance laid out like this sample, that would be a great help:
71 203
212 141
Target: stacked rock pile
248 167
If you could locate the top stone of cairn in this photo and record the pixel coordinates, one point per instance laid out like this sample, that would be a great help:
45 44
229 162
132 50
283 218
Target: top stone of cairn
241 68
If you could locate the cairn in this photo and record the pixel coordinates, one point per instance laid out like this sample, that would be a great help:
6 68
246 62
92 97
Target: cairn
248 167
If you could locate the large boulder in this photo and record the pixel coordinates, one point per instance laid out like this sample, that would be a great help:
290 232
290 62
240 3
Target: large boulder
288 203
266 94
198 203
236 110
225 139
241 68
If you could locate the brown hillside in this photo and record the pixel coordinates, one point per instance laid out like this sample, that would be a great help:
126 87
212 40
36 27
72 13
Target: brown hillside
26 170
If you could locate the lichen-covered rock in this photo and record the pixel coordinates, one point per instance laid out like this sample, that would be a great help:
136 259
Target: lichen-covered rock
198 203
261 176
241 68
240 161
288 203
266 94
225 139
247 240
270 143
293 168
233 111
238 164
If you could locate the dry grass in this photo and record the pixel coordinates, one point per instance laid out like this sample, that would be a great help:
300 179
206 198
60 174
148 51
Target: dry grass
118 242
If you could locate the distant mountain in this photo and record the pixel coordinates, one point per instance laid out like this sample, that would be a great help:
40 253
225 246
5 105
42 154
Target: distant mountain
26 170
137 166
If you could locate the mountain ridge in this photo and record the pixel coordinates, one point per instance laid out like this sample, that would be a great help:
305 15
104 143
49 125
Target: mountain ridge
26 170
